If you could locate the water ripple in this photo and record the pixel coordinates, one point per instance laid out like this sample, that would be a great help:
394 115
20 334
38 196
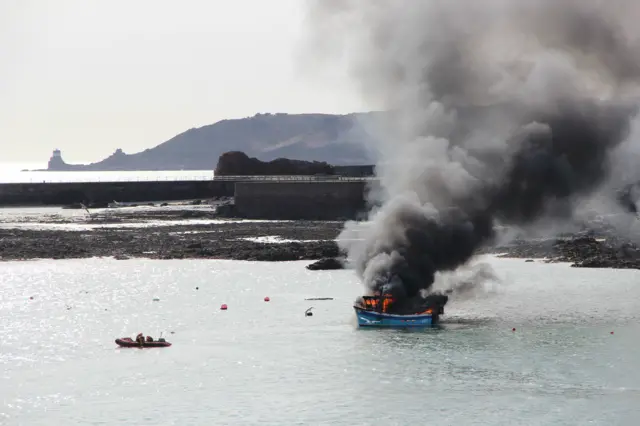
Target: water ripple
266 363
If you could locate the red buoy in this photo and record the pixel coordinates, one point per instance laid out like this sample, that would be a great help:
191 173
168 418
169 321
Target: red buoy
513 329
31 298
266 299
612 332
223 307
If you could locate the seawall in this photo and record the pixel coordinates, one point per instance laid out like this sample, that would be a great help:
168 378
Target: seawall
300 200
57 194
277 198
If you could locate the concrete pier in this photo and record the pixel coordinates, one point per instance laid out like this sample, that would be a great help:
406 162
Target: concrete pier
300 200
266 197
60 194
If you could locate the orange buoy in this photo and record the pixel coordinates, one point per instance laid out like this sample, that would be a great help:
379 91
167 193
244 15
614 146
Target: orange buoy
266 299
223 307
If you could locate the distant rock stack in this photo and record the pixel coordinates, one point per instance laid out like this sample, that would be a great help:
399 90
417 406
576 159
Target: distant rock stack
56 162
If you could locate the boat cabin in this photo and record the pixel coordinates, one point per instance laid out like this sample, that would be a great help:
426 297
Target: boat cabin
380 303
385 304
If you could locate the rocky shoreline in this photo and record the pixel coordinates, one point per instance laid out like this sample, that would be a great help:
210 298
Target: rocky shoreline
581 251
224 239
197 232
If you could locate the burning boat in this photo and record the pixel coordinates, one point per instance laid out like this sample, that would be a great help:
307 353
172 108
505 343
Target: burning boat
382 310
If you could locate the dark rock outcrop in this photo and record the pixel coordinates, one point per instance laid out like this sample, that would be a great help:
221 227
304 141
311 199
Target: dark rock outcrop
236 163
314 240
581 251
326 264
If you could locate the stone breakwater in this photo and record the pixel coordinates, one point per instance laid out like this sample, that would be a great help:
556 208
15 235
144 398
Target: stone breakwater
269 197
99 194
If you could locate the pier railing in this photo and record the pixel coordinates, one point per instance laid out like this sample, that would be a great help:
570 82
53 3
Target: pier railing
295 178
179 178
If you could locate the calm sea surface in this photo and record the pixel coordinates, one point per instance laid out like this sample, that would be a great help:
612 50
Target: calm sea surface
12 173
267 364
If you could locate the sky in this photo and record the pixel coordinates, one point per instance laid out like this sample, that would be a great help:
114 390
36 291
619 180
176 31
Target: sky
88 77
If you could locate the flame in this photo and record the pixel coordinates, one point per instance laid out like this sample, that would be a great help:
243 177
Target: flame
385 302
374 303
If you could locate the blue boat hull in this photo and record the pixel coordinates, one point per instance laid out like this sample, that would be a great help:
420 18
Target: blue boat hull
378 319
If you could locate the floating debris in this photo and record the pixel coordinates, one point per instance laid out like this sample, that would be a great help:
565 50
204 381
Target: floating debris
319 298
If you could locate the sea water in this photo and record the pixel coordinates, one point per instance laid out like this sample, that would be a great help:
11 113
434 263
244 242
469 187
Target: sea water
28 173
266 363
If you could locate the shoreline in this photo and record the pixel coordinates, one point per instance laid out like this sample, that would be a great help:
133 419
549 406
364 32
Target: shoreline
198 232
161 233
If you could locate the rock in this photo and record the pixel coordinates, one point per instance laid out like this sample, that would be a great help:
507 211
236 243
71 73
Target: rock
226 211
600 248
189 214
325 264
174 241
237 163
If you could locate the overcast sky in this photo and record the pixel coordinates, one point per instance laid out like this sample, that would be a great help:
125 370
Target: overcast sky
92 76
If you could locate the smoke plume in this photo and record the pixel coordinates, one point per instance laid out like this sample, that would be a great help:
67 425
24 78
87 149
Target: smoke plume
499 112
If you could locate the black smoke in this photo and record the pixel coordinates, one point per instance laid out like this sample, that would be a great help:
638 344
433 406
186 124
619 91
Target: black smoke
501 112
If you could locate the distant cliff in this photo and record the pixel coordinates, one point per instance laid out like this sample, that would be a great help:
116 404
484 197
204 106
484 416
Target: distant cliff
238 163
116 161
334 139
